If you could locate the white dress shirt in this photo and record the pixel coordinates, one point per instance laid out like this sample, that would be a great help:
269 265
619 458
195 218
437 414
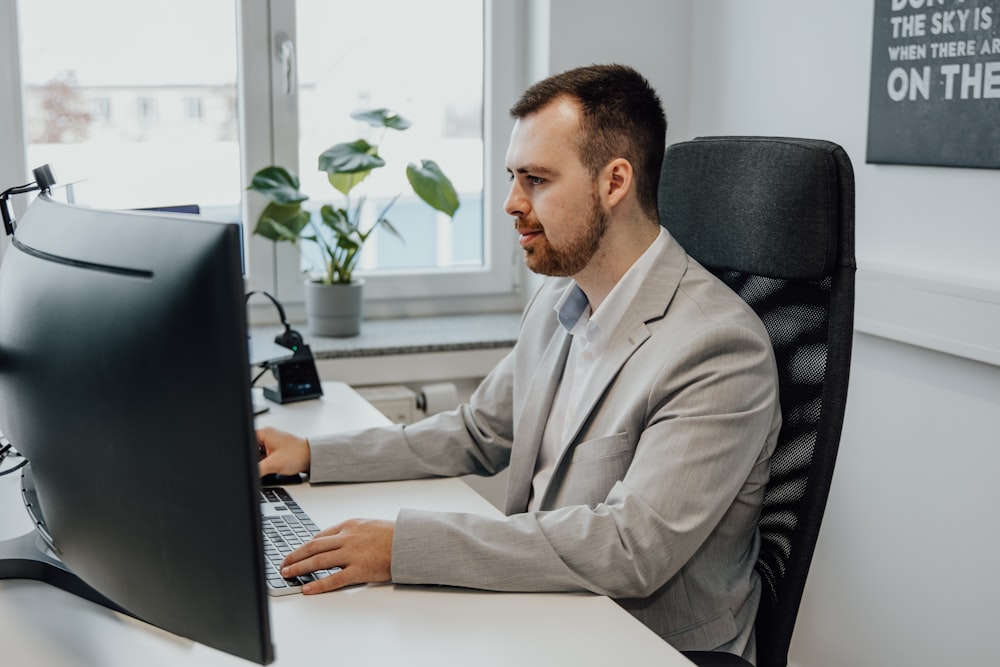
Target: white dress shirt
590 339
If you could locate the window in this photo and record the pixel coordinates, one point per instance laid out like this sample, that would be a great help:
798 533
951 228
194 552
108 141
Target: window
100 110
192 109
369 55
115 135
434 78
145 109
155 108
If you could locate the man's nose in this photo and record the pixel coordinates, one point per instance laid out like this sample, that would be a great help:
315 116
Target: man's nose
516 204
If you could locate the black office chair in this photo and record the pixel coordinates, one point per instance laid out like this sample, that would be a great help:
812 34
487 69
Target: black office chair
774 219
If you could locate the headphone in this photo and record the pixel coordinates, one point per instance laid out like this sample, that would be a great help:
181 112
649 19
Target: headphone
289 338
297 378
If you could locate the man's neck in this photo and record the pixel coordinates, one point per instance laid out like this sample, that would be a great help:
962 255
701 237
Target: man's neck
616 255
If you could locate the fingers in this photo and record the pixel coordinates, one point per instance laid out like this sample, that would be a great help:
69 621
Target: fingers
282 453
362 549
319 553
267 466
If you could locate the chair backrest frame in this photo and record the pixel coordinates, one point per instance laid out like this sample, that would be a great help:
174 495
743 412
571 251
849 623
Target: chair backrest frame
773 217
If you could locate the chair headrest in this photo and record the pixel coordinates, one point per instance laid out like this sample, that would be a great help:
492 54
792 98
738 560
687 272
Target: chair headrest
770 206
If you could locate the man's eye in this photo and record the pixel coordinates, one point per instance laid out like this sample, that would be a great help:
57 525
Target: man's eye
532 180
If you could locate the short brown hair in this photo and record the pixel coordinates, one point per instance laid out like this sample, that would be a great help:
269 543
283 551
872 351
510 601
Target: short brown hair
621 116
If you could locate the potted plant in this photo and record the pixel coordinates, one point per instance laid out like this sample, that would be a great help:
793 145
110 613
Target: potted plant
333 295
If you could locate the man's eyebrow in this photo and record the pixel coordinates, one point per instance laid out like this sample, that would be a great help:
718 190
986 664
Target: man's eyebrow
533 169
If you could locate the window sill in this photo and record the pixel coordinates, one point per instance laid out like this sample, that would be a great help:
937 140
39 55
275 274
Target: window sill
418 335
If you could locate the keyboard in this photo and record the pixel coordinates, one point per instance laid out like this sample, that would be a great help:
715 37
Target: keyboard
286 527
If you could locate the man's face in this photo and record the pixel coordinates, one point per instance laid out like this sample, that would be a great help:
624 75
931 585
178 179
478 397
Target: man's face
553 198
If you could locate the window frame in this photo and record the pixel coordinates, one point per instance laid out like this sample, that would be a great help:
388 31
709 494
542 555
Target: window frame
13 166
269 136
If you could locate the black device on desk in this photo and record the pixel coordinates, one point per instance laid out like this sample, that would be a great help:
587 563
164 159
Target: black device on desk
125 382
295 378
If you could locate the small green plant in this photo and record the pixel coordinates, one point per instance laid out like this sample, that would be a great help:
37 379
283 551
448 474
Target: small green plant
338 233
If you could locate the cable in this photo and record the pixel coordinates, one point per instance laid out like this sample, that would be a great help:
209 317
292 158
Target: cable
20 189
7 451
290 338
44 180
8 219
9 471
265 367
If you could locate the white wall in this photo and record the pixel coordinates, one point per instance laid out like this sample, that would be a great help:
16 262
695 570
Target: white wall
904 573
651 35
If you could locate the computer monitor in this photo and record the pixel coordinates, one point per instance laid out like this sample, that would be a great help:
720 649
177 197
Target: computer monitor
125 382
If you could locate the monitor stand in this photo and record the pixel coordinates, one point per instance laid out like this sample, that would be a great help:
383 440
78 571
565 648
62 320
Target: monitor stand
27 557
30 557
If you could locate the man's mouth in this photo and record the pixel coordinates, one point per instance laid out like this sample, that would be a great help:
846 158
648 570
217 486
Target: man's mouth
528 235
527 238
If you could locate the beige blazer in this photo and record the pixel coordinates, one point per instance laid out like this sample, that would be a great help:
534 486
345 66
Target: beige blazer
654 502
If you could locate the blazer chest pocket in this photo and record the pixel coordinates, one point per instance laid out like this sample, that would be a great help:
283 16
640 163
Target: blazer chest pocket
593 468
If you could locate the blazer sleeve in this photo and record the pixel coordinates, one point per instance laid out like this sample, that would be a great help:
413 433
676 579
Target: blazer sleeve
475 438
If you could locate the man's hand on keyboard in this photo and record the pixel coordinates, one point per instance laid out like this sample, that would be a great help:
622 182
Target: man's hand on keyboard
362 548
282 453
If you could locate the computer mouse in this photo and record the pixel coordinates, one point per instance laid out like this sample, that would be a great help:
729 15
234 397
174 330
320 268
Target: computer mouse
275 479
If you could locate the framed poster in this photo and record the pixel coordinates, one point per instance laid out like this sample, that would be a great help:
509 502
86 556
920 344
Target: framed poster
935 83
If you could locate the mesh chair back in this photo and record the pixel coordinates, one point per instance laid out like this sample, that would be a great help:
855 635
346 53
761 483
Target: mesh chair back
774 219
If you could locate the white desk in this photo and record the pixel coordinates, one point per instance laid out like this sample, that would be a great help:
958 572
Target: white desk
376 625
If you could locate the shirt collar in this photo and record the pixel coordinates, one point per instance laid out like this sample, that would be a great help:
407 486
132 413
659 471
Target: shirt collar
572 306
573 309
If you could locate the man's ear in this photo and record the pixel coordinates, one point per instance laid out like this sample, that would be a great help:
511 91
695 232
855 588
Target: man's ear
619 179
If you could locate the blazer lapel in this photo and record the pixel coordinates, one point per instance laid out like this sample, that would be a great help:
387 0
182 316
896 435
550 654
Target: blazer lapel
531 426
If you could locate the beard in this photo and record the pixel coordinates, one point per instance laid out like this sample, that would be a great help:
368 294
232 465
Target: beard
573 257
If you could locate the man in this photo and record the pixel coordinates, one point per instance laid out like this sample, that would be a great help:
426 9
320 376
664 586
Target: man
637 412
